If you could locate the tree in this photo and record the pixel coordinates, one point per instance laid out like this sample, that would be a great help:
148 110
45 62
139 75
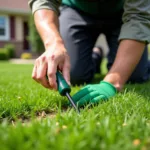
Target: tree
34 38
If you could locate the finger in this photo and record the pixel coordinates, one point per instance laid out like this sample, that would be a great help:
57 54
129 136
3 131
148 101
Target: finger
66 70
42 75
51 73
98 99
45 82
60 67
81 94
34 73
40 69
86 99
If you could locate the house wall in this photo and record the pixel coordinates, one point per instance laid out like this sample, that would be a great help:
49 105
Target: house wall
18 47
18 38
19 28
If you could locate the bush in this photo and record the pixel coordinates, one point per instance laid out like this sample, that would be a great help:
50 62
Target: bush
4 55
26 56
34 38
11 50
149 47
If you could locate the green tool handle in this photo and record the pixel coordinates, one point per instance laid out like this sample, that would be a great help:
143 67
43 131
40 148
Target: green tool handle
63 86
64 89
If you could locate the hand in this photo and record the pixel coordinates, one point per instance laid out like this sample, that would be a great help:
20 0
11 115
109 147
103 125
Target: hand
55 57
92 94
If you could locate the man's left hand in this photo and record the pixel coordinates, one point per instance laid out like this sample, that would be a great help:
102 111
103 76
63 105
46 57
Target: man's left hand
94 93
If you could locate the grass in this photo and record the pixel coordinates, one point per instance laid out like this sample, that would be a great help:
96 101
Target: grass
32 117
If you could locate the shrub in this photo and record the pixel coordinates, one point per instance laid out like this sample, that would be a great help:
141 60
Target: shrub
26 56
34 38
4 55
11 50
149 47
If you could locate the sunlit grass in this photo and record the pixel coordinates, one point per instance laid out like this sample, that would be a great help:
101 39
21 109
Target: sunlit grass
36 118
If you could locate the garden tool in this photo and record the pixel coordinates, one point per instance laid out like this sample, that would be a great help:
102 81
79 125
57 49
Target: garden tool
64 89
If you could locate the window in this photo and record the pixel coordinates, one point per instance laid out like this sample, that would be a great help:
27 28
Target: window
4 28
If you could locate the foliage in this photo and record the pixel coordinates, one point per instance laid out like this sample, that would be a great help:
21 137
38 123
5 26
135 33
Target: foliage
11 49
4 55
34 38
149 48
26 55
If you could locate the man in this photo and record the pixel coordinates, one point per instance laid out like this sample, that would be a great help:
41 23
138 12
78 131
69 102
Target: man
69 41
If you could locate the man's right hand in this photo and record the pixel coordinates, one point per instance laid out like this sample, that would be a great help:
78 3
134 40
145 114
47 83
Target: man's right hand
55 57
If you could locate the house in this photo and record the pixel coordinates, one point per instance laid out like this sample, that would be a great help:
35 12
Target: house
14 24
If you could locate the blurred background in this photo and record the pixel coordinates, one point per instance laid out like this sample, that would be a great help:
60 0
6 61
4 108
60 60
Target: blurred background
18 35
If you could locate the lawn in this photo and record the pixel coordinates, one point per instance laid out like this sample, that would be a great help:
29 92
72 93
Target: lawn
34 118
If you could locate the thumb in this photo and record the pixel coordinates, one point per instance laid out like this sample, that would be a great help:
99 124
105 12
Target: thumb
66 70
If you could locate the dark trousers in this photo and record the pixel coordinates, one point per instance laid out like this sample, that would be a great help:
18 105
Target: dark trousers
80 32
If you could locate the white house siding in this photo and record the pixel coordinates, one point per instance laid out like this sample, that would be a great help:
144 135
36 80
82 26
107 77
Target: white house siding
19 28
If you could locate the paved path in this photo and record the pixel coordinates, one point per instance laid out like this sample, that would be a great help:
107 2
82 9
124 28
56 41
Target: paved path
22 61
100 41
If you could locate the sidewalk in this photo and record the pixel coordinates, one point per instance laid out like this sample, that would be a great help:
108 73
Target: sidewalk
22 61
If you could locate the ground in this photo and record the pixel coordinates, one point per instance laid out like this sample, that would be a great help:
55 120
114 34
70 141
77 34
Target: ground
32 117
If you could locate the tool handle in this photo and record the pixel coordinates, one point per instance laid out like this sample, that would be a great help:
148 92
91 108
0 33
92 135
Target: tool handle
63 86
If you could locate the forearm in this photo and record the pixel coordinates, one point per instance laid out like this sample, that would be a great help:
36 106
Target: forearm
128 56
46 22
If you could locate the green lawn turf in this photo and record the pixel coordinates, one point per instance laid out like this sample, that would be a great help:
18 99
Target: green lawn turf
34 118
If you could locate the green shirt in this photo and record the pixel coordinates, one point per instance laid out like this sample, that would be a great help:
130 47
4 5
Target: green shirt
96 7
136 16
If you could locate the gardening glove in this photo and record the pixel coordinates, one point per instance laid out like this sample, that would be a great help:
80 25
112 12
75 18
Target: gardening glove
94 93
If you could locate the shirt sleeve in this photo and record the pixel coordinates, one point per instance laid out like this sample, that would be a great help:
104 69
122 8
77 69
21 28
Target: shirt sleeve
136 21
44 4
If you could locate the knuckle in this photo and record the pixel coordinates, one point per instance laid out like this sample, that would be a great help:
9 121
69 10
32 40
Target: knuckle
51 84
52 57
50 74
39 77
43 58
34 77
37 60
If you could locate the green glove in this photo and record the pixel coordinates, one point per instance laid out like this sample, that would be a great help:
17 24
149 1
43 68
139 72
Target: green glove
94 93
